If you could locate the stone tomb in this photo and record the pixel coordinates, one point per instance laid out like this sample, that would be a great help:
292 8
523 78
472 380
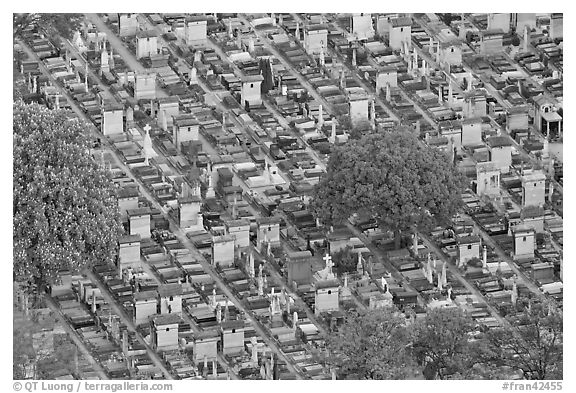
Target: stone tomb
299 268
112 119
139 222
188 209
145 305
205 346
315 38
164 329
472 132
195 31
358 105
240 229
524 242
400 32
487 179
129 252
326 296
146 44
533 189
223 248
232 333
170 298
185 128
145 86
468 248
168 108
386 75
500 149
362 27
127 199
268 230
250 92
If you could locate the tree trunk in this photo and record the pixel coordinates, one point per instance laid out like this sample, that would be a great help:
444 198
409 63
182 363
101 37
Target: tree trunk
397 239
415 243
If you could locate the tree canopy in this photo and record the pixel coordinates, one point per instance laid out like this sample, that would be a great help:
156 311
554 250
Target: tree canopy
533 341
345 261
441 343
373 345
65 211
64 23
391 177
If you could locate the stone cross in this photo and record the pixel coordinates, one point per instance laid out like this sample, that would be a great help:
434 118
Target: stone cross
328 260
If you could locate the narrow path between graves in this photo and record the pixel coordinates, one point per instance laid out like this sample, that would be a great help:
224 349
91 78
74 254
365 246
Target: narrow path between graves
483 76
188 319
119 46
506 258
125 318
303 81
456 273
75 108
354 72
73 334
389 266
297 299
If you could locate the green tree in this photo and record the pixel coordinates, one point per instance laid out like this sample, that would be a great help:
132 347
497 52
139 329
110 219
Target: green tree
65 210
533 341
266 72
372 345
442 343
392 177
345 261
63 23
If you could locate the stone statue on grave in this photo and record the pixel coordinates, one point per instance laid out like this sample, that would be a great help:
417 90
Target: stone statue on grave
514 297
297 31
218 313
260 285
254 349
251 264
226 312
148 149
360 265
213 299
326 273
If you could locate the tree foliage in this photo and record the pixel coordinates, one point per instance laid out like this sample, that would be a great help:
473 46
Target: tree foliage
345 261
442 343
533 342
391 177
64 23
372 345
65 211
266 72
